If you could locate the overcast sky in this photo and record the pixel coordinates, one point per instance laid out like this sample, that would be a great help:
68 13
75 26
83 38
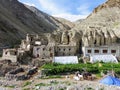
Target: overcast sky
68 9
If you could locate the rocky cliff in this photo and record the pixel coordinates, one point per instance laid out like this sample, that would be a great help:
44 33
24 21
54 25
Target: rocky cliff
17 19
102 27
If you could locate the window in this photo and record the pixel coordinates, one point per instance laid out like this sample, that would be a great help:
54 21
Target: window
89 51
105 51
69 49
96 51
6 53
63 49
15 52
43 49
37 55
50 49
113 51
59 49
51 54
38 49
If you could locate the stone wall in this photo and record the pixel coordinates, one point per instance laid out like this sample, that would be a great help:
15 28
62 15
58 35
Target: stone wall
43 51
65 50
10 54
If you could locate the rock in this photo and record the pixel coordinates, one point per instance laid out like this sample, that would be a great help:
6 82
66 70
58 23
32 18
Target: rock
18 70
65 38
32 71
72 88
23 77
5 68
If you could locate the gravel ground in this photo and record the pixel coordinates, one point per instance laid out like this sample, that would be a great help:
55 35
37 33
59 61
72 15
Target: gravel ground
54 84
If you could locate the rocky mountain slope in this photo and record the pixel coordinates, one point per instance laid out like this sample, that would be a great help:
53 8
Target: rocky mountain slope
16 20
61 23
102 27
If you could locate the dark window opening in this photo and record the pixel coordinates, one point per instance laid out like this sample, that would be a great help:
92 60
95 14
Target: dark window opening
63 49
95 42
69 49
105 51
6 52
15 53
113 51
50 49
96 51
43 49
37 55
31 38
38 49
51 54
89 51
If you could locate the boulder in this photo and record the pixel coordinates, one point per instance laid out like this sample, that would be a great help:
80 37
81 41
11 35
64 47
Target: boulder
32 71
16 71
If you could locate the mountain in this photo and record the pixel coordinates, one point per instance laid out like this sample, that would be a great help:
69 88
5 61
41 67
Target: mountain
60 23
101 24
17 19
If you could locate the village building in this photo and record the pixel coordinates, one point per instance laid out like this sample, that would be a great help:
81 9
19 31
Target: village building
105 53
10 54
44 47
43 51
65 50
101 50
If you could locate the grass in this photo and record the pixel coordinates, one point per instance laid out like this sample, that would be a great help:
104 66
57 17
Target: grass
47 84
41 84
51 77
67 83
89 88
27 83
26 89
11 86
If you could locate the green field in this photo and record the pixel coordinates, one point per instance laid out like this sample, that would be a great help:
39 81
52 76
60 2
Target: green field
96 68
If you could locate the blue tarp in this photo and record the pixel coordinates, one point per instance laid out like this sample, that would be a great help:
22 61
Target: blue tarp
109 80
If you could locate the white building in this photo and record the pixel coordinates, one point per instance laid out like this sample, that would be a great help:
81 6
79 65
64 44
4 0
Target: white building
92 50
110 52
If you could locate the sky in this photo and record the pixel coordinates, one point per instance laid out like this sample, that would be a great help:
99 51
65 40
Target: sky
69 9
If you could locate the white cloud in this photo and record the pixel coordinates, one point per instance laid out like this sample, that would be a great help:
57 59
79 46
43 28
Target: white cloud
71 17
30 4
55 10
84 9
50 6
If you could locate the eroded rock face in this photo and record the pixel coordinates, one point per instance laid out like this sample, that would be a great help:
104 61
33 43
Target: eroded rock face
102 27
65 38
99 38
